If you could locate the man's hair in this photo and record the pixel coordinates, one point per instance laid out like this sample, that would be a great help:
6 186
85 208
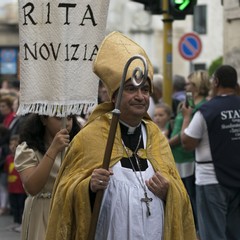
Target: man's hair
158 82
227 76
179 83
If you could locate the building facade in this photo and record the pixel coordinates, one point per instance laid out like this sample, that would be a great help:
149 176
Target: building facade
147 30
9 40
231 34
215 22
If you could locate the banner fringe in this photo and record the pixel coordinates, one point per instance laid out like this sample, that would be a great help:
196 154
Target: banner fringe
58 110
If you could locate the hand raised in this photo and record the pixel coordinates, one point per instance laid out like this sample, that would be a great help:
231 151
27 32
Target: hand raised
61 140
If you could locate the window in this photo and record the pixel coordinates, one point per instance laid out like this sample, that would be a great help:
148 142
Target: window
200 19
199 66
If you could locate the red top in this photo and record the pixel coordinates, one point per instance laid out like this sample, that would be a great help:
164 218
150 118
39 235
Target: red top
8 119
14 181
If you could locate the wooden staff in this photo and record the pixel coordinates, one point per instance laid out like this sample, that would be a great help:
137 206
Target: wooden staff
64 123
138 77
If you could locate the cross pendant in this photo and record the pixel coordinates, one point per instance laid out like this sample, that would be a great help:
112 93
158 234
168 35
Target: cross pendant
147 200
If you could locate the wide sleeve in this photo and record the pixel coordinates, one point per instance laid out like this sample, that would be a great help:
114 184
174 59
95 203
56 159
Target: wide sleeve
178 217
25 157
70 206
70 213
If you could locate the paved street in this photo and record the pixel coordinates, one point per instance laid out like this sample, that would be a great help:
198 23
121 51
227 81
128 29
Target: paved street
5 234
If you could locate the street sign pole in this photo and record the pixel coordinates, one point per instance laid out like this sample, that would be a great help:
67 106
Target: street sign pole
167 54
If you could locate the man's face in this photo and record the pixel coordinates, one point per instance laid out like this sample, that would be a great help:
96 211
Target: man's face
134 103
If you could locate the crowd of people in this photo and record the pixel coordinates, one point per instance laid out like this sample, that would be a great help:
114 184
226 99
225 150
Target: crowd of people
173 171
12 193
204 138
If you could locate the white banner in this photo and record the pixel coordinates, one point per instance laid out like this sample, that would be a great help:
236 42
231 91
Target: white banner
59 40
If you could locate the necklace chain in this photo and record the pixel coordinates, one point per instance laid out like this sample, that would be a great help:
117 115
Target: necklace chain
138 165
146 199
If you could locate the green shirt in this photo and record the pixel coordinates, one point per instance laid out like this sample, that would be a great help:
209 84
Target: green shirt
179 153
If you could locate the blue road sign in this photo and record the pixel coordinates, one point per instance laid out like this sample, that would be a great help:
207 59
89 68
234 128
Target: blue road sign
190 46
